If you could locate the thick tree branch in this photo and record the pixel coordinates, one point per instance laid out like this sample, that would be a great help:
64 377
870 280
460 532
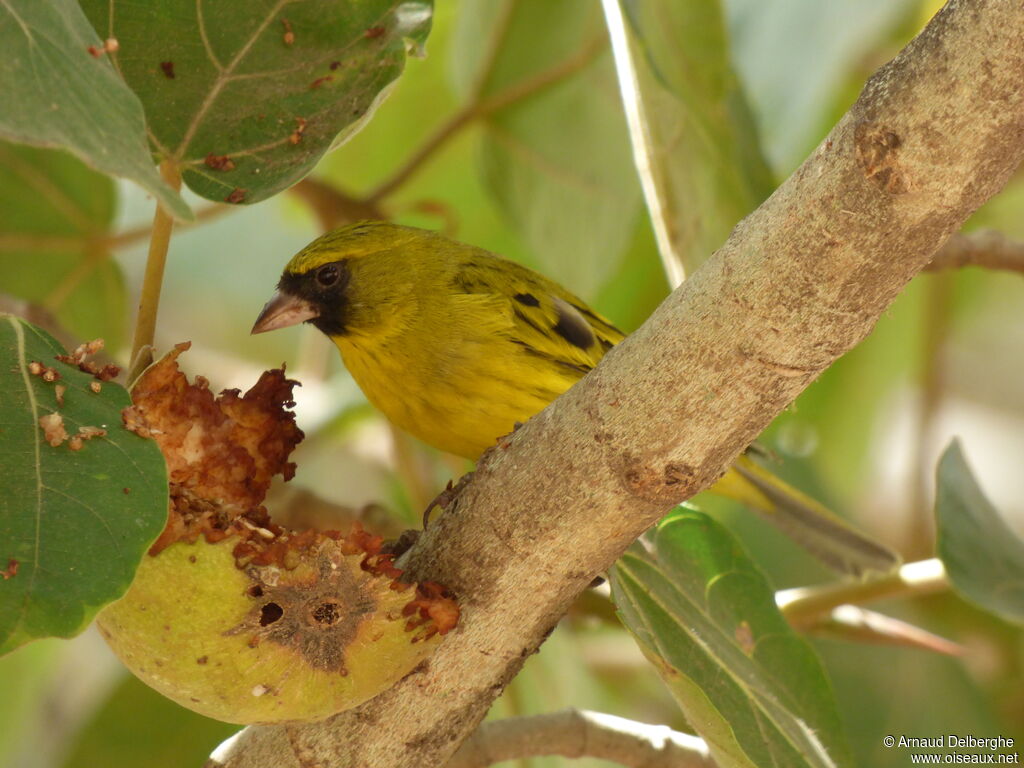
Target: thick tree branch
934 134
577 733
984 248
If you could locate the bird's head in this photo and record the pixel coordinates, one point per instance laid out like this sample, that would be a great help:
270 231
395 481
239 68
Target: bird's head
348 280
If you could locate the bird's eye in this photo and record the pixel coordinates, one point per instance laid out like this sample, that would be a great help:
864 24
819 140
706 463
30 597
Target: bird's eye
328 275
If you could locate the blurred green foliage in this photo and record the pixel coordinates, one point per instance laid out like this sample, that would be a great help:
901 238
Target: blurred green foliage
529 157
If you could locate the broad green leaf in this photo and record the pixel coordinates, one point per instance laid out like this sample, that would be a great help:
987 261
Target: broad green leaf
74 524
983 556
246 97
555 152
699 154
58 94
55 218
138 727
796 61
706 616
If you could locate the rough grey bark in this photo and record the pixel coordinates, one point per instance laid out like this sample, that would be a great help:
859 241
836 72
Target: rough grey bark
804 278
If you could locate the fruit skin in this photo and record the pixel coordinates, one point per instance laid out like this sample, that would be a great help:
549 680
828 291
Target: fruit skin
264 644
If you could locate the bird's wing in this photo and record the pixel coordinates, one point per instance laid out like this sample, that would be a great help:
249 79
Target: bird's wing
547 321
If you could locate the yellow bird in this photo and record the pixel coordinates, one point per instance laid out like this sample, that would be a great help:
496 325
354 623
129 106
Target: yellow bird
457 345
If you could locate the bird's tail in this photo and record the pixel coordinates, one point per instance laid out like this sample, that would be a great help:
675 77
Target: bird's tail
828 537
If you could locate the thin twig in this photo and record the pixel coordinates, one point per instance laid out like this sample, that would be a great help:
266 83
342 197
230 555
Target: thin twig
95 255
804 607
35 242
575 733
478 108
332 207
852 623
152 281
919 533
134 235
437 140
984 248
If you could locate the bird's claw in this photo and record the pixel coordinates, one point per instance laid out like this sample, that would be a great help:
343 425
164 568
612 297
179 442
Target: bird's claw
446 497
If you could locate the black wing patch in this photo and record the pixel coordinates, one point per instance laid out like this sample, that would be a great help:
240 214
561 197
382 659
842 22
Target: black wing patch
578 369
527 299
572 327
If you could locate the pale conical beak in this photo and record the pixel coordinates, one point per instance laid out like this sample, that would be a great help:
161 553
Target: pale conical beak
283 310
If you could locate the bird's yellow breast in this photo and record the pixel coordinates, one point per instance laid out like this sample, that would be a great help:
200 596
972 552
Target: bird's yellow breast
456 390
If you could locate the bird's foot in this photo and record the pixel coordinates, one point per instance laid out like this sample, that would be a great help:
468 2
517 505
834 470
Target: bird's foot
446 497
401 545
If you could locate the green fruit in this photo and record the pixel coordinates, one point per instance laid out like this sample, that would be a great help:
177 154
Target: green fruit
265 644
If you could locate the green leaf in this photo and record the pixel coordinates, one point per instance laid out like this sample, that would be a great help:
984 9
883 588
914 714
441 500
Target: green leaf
138 727
55 218
28 678
555 150
704 614
983 556
73 524
703 161
268 86
57 94
797 58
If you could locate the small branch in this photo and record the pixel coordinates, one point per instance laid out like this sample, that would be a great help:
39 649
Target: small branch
95 256
859 625
152 281
542 80
134 235
477 107
35 242
918 540
438 139
984 248
577 733
333 207
804 607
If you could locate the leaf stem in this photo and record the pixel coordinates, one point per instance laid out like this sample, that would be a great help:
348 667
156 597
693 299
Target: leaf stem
805 606
152 281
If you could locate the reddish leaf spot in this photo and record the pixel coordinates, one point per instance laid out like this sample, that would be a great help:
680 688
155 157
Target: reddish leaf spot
219 162
237 195
320 81
373 32
11 571
168 69
745 637
94 51
289 35
300 128
335 65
